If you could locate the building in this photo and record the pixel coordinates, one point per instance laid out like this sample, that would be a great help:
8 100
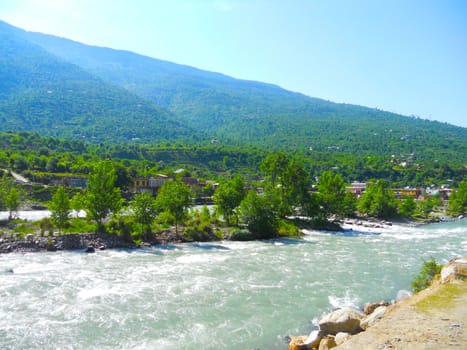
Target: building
356 188
150 184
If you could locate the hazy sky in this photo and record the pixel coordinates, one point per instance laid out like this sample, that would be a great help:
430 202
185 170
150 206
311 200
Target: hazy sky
404 56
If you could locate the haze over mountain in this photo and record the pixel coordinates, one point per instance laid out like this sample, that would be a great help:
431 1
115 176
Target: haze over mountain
65 88
42 92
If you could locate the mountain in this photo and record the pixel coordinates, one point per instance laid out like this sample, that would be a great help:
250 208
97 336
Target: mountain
44 93
204 105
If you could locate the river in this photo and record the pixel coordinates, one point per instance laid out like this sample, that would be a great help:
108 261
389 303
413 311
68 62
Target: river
226 295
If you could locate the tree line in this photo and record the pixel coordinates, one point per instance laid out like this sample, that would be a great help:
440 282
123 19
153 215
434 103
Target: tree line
286 200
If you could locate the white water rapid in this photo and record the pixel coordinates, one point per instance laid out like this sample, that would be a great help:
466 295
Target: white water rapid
226 295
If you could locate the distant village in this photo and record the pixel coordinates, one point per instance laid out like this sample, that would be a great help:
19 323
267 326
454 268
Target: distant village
204 189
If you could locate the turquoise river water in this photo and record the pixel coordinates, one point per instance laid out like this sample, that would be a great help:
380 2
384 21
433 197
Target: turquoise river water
226 295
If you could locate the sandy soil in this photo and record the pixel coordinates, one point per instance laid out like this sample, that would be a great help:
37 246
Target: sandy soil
435 318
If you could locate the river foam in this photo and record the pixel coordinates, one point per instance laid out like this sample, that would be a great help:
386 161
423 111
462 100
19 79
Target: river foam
224 295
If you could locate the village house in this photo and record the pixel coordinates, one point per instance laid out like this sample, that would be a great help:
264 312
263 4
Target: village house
356 188
150 184
415 193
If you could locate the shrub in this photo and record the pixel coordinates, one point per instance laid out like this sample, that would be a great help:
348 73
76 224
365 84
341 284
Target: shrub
46 225
199 233
428 272
288 229
238 234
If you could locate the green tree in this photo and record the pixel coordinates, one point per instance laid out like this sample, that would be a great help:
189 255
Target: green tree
458 200
425 207
10 196
259 215
145 211
60 208
378 200
274 165
294 187
175 198
331 189
228 197
407 206
101 197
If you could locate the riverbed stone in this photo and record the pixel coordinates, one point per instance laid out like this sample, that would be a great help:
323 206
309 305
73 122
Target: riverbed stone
327 343
298 343
341 320
314 338
342 337
370 307
374 317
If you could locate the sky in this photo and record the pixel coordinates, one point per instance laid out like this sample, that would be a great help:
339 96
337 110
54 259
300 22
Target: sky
402 56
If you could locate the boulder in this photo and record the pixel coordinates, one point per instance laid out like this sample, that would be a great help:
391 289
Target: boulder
327 343
342 337
374 317
370 307
298 343
90 249
341 320
314 338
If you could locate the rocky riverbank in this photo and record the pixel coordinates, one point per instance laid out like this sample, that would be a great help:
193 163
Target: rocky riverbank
88 242
431 319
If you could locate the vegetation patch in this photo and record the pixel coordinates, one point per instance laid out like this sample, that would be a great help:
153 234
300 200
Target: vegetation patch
444 296
429 271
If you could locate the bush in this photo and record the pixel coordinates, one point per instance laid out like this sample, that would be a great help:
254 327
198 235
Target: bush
79 225
199 233
46 225
428 272
123 227
238 234
288 229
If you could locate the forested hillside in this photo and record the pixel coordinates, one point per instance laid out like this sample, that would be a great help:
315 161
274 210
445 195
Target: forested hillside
64 88
44 93
34 155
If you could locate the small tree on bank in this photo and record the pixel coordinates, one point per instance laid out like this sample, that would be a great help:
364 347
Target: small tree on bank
378 200
175 198
145 211
228 197
60 208
259 215
10 196
458 200
101 197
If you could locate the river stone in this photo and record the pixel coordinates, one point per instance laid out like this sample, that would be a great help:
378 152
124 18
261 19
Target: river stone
90 249
342 320
370 307
314 338
342 337
327 343
298 343
374 317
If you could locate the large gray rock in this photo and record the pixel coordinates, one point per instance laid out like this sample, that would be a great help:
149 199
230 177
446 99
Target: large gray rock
327 343
342 337
314 338
374 317
370 307
342 320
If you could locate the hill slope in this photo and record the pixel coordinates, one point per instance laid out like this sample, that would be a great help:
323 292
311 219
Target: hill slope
44 93
256 113
237 112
